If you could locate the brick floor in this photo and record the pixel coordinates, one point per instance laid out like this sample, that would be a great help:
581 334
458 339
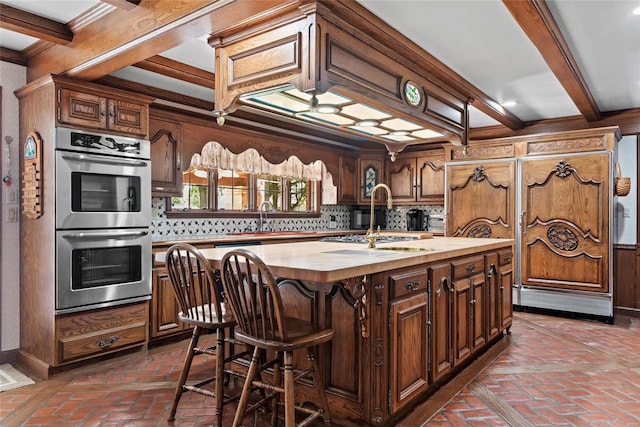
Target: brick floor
555 372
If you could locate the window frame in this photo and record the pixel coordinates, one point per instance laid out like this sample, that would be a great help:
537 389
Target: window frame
314 187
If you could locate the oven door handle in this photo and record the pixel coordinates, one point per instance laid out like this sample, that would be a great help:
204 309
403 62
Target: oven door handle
102 235
106 161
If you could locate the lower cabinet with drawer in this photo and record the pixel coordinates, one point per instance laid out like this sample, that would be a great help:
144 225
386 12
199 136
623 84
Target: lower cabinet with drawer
97 332
409 318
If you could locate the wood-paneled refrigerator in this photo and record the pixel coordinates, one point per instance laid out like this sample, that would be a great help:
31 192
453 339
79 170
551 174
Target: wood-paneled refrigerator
553 194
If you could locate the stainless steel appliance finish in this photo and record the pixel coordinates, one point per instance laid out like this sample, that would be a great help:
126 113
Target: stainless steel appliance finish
100 191
361 218
100 268
103 220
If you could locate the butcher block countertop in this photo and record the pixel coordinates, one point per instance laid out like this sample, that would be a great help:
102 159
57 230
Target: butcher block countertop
320 261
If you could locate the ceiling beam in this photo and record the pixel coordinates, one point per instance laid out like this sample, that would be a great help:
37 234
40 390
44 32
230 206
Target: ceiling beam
147 30
178 70
123 4
36 26
536 20
13 56
155 92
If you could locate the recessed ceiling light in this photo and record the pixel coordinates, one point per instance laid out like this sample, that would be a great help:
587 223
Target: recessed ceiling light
399 132
509 103
367 123
636 11
327 109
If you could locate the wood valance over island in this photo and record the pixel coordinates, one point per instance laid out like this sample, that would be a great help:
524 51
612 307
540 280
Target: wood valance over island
407 315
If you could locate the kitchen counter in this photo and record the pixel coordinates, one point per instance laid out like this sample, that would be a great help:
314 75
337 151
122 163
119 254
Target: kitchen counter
275 236
320 261
406 320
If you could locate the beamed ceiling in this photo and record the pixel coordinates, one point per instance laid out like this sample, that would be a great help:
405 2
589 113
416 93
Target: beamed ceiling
563 64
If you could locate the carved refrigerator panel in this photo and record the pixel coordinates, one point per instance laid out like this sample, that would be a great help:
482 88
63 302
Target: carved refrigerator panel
481 199
565 222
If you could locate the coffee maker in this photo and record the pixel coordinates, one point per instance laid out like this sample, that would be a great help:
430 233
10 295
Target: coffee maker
415 220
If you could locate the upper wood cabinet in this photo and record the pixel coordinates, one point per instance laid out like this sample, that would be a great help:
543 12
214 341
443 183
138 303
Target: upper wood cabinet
166 156
347 179
89 109
481 199
417 177
370 173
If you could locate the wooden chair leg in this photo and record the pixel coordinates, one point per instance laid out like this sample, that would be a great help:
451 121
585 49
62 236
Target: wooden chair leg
220 378
289 392
195 337
247 387
277 381
318 382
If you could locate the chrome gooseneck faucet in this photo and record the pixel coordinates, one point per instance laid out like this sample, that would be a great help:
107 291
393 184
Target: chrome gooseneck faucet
372 235
262 221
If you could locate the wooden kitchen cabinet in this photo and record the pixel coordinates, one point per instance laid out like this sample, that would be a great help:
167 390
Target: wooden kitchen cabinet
468 282
441 293
409 318
506 279
417 177
565 222
108 112
97 332
347 180
166 156
481 199
164 308
370 173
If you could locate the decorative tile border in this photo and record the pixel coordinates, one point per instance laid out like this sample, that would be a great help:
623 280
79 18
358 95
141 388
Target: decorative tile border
163 228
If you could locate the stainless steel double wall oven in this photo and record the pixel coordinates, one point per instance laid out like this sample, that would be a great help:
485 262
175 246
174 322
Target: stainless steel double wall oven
103 219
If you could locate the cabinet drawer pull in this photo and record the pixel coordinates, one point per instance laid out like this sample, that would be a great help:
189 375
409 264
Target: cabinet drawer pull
107 342
412 286
507 258
471 268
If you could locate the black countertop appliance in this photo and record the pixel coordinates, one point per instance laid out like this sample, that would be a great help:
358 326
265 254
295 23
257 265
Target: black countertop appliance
415 220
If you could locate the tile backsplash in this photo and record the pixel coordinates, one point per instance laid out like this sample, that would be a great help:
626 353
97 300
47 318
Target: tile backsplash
164 228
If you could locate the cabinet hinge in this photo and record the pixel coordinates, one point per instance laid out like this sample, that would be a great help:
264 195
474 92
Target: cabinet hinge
389 401
390 320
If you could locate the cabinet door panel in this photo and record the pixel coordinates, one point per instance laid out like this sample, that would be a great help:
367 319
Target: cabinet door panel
478 311
565 220
370 173
409 356
401 179
461 320
494 320
82 109
481 199
430 177
164 311
347 180
166 158
441 322
127 117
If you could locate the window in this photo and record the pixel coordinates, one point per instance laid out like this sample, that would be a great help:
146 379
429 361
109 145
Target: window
195 190
219 190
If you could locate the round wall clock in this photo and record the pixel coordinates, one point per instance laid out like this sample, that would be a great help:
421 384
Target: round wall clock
412 94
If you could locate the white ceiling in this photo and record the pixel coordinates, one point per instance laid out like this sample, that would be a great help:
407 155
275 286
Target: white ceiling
477 39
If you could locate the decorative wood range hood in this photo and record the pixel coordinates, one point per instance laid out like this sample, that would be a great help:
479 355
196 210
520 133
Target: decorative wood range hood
323 62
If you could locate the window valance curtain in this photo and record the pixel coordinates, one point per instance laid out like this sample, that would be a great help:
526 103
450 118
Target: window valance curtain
215 156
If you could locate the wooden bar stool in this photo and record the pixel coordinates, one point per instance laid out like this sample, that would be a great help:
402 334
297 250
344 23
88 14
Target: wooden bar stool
255 300
200 300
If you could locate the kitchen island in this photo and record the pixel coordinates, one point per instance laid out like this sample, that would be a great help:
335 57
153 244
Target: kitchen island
407 316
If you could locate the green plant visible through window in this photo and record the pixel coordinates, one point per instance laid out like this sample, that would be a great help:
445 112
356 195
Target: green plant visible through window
242 191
